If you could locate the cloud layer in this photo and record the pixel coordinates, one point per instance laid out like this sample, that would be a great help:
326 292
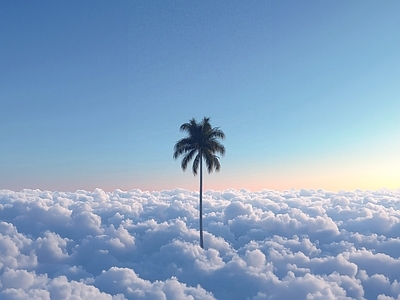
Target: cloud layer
297 244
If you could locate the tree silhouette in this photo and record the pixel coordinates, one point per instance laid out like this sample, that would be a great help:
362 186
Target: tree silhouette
200 143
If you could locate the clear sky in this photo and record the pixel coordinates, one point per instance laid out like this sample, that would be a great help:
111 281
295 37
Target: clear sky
92 93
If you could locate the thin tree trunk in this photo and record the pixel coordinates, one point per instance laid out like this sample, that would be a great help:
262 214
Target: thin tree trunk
201 201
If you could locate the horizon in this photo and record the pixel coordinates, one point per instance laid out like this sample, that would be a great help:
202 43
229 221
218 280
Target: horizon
205 191
94 93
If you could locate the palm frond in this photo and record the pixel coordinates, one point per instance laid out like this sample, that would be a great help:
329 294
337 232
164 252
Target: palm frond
196 163
212 162
216 147
217 133
182 146
190 127
187 158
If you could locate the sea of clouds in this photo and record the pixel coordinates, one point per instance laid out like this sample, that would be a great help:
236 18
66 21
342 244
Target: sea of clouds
295 244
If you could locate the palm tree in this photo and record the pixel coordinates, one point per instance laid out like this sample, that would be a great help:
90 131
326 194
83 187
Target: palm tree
200 143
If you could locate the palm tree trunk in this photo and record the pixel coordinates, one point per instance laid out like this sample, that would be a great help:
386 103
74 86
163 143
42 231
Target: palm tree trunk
201 201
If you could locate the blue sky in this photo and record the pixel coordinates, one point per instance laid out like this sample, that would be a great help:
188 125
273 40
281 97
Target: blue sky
93 93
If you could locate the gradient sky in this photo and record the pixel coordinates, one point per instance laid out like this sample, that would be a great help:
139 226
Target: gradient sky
92 93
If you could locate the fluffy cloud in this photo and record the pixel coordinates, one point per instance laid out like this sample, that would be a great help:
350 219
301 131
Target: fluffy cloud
136 244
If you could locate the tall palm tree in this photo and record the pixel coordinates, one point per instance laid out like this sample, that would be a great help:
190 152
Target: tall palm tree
200 143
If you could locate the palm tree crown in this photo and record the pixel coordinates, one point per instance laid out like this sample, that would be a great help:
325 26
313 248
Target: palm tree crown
201 142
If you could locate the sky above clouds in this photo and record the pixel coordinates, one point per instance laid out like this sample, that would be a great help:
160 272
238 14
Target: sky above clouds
296 244
93 93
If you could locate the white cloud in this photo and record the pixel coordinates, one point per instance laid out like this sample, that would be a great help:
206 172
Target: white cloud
136 244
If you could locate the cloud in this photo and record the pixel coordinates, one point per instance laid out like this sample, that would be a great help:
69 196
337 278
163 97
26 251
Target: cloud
296 244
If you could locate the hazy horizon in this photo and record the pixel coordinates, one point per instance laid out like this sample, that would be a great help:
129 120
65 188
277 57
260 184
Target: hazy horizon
204 190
